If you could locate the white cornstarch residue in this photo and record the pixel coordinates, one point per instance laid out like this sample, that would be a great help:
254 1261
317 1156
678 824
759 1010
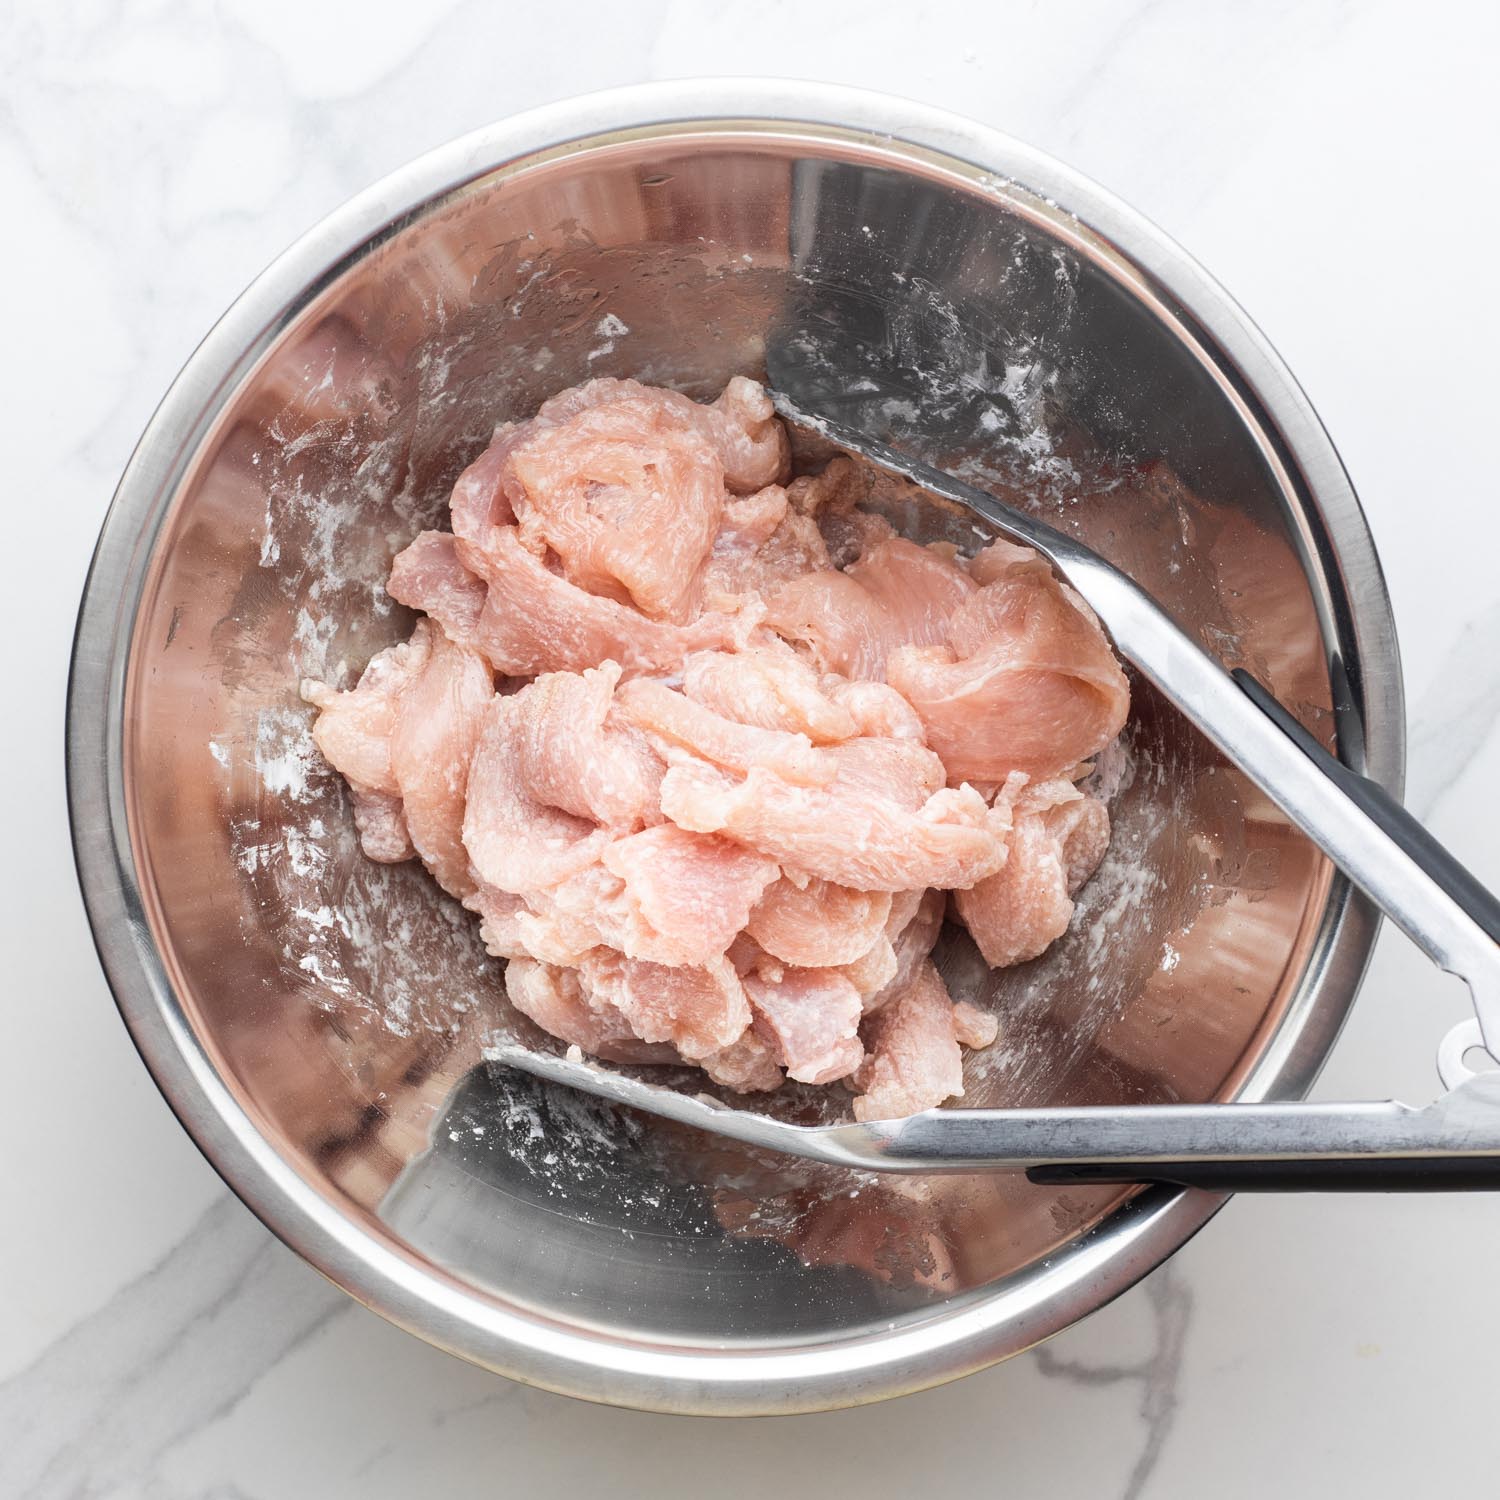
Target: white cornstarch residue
313 635
286 760
608 329
320 916
301 852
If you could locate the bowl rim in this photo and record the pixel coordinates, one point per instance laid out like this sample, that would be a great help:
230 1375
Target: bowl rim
981 1328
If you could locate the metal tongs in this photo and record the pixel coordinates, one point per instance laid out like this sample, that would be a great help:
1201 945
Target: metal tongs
1452 1143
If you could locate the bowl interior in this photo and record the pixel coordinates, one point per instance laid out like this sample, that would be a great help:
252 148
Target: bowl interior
346 1004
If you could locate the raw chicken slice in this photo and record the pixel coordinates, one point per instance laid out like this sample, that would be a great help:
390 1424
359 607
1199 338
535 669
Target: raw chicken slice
693 891
437 727
901 771
748 522
675 720
1026 681
877 709
741 426
746 955
752 443
428 576
1085 833
699 1010
1002 558
811 1018
354 729
479 503
560 1004
498 929
1057 839
563 923
517 843
665 896
820 925
381 824
974 1027
872 971
573 753
403 739
534 620
905 907
896 595
628 496
913 1062
748 1066
832 499
771 687
870 844
919 587
760 543
840 625
915 922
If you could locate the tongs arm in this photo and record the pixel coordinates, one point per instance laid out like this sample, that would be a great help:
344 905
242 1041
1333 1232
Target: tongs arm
1454 1143
1376 1147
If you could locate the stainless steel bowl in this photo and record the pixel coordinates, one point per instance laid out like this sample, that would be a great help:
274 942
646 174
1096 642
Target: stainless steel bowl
317 1023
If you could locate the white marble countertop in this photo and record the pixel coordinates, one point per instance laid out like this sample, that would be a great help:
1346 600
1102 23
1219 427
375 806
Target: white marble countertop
1331 163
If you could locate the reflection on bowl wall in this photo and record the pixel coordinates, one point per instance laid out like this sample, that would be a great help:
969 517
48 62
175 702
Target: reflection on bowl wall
318 1021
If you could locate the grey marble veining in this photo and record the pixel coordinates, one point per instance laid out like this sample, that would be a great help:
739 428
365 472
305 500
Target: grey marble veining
1323 159
95 1406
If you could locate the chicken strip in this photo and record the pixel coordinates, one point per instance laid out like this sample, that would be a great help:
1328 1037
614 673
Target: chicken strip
1024 681
1057 839
913 1060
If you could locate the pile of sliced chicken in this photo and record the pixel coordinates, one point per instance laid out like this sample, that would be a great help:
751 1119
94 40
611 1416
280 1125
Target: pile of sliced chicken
706 751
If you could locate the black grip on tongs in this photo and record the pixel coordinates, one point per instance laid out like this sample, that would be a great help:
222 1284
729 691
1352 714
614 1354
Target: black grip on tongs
1394 820
1457 1174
